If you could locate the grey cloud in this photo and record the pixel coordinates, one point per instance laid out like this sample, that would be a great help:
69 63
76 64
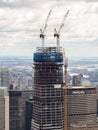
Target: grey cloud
92 0
20 27
23 3
75 1
83 0
17 4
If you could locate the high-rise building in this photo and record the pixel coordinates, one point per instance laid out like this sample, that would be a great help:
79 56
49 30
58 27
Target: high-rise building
77 80
17 99
81 105
84 126
48 98
4 109
4 77
28 113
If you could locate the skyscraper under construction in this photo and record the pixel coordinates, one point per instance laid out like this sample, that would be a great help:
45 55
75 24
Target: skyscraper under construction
48 97
48 106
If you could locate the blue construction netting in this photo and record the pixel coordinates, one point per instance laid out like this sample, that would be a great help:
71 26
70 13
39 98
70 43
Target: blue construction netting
48 57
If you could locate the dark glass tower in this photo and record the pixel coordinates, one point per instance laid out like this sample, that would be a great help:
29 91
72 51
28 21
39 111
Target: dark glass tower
17 108
48 98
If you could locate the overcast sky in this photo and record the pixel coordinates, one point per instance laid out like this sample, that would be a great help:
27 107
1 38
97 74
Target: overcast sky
21 20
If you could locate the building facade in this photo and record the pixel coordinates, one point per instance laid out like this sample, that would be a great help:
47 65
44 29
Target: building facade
4 109
17 107
81 105
85 127
28 114
4 77
77 80
48 98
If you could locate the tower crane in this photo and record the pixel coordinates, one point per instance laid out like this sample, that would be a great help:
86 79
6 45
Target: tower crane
42 35
57 33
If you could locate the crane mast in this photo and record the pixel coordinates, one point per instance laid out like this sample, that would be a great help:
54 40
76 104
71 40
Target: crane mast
57 33
42 31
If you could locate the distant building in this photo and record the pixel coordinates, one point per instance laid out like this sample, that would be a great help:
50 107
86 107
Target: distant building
86 82
28 114
4 77
4 109
81 105
22 82
77 80
17 101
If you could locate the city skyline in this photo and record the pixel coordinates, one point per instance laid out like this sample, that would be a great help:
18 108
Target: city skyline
21 20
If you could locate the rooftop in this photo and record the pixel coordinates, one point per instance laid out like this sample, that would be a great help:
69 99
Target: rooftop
80 87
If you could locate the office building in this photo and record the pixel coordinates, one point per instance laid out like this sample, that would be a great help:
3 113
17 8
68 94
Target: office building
48 98
28 113
97 102
4 109
4 77
81 105
17 99
85 127
77 80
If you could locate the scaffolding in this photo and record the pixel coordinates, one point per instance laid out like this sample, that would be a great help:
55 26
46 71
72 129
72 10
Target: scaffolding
48 107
